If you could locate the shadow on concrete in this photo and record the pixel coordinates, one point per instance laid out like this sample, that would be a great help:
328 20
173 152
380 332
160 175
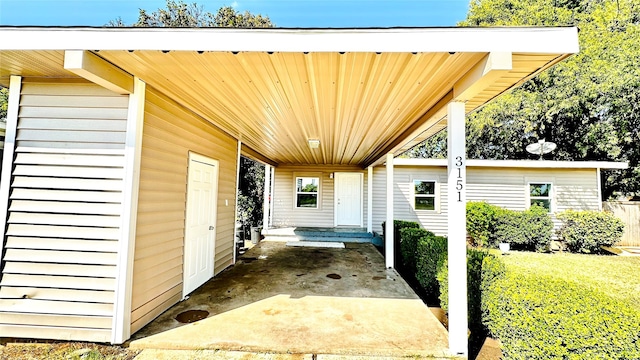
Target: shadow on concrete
304 300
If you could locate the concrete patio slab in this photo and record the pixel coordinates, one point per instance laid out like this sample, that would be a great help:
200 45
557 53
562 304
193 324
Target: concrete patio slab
300 300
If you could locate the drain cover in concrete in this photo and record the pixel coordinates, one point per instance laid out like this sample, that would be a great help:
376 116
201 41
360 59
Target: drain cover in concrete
190 316
320 244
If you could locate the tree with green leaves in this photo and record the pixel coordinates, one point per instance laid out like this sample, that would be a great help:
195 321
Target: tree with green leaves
588 104
4 103
181 14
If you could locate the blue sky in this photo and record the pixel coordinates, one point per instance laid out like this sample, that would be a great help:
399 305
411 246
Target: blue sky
284 13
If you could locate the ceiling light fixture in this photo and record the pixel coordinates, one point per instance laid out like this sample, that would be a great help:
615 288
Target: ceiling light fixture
314 143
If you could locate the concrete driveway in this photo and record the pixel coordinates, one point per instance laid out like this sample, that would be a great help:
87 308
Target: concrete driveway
303 300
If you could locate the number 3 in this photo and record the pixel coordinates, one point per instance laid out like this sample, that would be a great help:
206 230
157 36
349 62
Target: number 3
458 161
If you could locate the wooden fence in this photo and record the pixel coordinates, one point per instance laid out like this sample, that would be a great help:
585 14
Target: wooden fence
629 213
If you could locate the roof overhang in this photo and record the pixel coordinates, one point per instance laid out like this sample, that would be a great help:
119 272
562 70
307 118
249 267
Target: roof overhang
362 92
520 164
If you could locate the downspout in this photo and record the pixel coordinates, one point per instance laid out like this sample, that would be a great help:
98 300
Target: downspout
599 180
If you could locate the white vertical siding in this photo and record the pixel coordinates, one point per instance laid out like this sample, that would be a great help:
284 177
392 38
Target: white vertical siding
284 211
505 187
64 214
170 132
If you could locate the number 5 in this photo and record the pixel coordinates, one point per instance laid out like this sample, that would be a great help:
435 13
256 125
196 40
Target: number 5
459 185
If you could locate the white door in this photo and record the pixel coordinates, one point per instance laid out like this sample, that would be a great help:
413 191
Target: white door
348 199
200 222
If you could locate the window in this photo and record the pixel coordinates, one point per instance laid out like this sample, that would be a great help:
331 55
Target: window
424 193
307 192
540 194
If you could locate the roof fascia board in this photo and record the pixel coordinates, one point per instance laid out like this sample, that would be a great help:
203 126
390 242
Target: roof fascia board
561 40
530 164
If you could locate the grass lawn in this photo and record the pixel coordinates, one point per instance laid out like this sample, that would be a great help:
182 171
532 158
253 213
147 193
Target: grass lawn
65 351
618 276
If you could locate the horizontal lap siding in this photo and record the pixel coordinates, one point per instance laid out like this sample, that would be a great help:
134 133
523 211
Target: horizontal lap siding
58 278
379 203
403 201
170 132
284 211
505 187
577 190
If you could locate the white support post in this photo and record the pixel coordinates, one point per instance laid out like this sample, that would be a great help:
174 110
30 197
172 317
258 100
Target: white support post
15 86
370 199
235 218
267 196
389 241
456 220
133 153
273 191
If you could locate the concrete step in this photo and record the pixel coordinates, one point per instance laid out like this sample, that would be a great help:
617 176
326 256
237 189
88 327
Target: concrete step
287 238
357 235
334 234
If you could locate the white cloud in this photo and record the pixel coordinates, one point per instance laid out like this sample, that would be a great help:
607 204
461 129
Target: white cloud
234 4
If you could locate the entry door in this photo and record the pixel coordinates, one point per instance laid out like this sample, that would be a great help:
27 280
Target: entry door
348 199
200 223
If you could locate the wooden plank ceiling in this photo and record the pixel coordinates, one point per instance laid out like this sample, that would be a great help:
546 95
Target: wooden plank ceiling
355 103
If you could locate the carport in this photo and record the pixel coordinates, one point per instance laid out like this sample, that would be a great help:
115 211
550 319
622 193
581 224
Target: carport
303 300
314 101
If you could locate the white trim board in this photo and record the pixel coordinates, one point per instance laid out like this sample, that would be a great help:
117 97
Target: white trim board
550 40
529 164
133 154
9 150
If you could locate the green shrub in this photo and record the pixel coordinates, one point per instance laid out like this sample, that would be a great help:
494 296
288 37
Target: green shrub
587 231
537 316
524 230
399 258
482 269
431 255
481 223
409 238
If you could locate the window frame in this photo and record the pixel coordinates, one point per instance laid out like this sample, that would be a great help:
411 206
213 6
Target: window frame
550 197
317 193
435 195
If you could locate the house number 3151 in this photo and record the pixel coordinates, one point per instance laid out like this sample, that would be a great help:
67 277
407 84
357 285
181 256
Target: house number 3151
459 182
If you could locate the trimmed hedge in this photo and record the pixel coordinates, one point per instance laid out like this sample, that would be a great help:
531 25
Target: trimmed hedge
537 316
587 231
430 257
409 238
404 253
483 268
525 230
481 217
